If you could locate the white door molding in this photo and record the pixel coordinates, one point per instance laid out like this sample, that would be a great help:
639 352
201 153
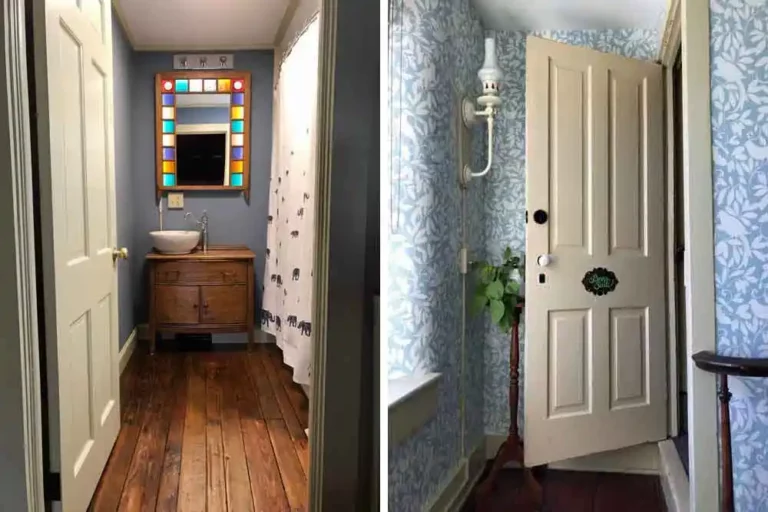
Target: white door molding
699 253
20 398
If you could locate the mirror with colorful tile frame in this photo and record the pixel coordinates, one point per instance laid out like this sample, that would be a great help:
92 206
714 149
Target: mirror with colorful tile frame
202 130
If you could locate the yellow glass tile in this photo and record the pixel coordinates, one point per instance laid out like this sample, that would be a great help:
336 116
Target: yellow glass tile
236 166
237 139
167 112
169 167
169 140
224 84
238 113
209 85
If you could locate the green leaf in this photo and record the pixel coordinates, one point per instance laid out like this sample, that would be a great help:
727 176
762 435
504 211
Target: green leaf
487 273
497 310
507 254
513 288
478 303
495 290
505 323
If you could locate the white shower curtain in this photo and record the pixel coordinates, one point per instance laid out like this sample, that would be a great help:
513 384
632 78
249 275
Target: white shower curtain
288 275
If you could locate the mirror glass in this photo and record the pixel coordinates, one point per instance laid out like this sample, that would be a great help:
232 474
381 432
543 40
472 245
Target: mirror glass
202 139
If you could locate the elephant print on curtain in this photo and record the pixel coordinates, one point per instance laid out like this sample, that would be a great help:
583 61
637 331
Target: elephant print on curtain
288 275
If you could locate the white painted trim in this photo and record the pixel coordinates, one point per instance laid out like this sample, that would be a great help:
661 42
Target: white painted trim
324 147
412 403
20 405
699 254
670 41
641 459
290 11
128 348
670 47
457 487
674 481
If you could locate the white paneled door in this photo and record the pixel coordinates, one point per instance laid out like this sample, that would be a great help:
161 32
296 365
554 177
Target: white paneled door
595 350
75 126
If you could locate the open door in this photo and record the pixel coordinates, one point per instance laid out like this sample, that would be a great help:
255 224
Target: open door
73 78
595 350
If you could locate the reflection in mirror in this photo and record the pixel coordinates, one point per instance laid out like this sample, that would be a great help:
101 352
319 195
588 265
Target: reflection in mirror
202 145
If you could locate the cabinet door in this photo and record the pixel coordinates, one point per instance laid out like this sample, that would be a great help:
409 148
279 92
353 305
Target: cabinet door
177 304
224 304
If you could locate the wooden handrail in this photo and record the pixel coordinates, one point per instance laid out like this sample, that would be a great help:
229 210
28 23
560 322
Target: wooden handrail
723 366
727 365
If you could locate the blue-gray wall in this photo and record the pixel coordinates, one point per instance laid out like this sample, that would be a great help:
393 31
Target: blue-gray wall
233 220
122 62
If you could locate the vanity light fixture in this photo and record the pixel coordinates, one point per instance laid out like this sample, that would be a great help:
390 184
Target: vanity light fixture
490 76
203 61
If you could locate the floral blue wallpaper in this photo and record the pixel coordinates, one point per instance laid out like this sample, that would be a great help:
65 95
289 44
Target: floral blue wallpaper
739 67
505 185
435 49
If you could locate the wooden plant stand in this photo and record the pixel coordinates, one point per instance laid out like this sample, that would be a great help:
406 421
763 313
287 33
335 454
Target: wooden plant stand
511 450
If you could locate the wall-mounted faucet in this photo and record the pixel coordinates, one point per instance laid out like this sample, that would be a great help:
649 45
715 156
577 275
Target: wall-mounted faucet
202 224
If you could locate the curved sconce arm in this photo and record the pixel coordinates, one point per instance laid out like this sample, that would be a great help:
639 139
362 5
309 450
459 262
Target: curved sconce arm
488 113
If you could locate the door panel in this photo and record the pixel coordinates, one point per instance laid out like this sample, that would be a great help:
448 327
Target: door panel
75 134
177 304
224 304
595 364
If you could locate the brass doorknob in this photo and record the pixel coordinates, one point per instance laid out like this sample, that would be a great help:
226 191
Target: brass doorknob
121 253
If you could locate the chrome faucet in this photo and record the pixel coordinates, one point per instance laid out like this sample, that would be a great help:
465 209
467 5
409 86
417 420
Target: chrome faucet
202 224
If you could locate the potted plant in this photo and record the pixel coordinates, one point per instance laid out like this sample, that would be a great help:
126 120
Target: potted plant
499 291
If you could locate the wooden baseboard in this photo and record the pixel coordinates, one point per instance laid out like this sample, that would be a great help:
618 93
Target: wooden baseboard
128 347
641 459
674 480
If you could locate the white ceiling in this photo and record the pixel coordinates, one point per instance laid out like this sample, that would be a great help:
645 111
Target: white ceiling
571 14
204 24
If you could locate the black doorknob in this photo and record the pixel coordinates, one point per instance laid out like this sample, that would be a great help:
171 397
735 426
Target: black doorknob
539 216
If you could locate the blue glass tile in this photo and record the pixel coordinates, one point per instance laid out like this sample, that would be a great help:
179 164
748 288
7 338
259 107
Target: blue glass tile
236 180
237 153
167 126
238 126
238 98
169 154
167 100
182 85
169 180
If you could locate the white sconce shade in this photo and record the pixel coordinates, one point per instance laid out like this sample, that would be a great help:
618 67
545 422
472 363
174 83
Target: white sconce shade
490 75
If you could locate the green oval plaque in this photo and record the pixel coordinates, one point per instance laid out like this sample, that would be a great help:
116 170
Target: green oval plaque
600 281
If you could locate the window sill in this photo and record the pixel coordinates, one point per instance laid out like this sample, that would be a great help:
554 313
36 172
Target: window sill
412 402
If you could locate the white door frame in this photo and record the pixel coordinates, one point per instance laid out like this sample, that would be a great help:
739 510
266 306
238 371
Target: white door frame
688 24
21 443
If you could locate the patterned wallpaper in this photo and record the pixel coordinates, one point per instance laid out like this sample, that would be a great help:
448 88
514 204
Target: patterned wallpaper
739 64
505 188
436 48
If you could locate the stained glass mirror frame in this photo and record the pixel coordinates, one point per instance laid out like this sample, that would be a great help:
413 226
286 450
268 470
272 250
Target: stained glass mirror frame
168 87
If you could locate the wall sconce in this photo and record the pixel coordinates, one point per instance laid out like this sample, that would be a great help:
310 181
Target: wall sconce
204 61
490 75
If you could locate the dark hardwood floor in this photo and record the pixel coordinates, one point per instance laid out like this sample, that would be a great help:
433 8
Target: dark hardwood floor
208 431
576 491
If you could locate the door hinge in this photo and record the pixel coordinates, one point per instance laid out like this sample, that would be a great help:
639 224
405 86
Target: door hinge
52 486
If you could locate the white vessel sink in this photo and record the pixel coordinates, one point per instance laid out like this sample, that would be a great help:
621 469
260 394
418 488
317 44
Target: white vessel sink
175 242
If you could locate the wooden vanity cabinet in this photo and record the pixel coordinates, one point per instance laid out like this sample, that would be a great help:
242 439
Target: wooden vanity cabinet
206 292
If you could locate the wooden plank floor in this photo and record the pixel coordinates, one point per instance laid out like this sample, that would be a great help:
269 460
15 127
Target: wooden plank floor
208 431
576 491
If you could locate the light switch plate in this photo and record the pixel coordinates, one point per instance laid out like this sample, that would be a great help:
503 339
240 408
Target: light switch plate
175 200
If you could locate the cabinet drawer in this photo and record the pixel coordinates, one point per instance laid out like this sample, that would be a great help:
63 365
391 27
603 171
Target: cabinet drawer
199 272
177 304
224 304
